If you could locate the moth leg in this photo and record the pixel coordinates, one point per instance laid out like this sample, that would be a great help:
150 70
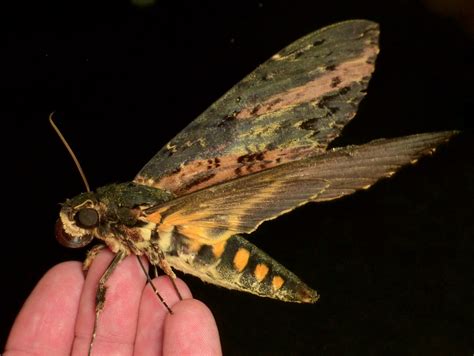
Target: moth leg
155 271
101 290
164 265
157 258
91 255
150 282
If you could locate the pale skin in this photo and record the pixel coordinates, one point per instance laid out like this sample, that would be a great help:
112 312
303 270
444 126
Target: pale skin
58 316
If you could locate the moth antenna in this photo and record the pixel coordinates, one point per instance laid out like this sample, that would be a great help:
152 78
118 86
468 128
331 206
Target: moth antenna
71 152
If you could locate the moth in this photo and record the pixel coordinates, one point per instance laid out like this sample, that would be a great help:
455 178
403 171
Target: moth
258 152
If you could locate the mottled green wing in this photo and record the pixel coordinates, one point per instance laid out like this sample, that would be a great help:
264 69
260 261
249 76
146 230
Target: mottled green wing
288 109
215 214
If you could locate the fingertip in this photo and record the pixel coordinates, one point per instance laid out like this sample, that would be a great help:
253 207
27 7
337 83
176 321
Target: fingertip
191 330
66 272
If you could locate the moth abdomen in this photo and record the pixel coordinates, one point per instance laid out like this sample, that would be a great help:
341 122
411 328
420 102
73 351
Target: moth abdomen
258 273
237 264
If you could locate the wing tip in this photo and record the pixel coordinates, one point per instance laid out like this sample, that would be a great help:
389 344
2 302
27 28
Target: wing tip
431 140
307 295
365 24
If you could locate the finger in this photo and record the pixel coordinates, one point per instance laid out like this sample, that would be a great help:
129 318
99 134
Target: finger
45 324
152 314
191 330
117 322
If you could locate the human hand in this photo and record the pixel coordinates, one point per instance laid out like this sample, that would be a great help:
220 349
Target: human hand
58 317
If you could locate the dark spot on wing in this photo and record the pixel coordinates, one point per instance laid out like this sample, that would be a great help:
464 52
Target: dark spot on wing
298 54
318 42
325 102
205 255
344 90
309 124
330 67
177 243
335 82
176 170
255 109
272 103
251 157
227 119
201 178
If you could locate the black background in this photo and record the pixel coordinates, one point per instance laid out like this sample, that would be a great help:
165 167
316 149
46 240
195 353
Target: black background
393 264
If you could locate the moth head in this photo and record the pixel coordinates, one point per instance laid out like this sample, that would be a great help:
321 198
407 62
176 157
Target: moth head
78 221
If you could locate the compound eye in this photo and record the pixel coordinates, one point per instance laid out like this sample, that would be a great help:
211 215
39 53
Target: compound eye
87 218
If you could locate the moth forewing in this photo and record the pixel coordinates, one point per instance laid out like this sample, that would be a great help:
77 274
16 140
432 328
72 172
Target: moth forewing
289 108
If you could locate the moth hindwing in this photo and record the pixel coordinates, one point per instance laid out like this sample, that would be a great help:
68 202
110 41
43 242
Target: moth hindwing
256 153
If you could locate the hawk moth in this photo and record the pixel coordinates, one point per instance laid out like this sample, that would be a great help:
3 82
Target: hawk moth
258 152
